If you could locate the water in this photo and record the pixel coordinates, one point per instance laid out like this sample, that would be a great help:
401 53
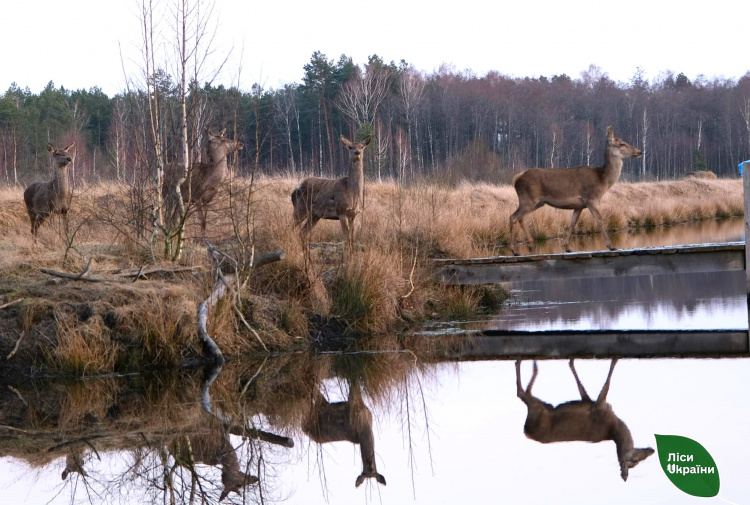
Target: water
444 432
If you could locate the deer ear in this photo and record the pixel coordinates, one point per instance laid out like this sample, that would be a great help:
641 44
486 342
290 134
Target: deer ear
221 133
367 140
380 478
610 133
345 141
359 480
71 146
50 147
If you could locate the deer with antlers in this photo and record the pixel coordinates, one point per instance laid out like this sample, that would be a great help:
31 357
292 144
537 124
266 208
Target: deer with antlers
205 177
351 421
317 198
575 188
50 197
582 420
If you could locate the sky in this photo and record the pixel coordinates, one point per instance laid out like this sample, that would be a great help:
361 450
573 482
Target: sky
90 43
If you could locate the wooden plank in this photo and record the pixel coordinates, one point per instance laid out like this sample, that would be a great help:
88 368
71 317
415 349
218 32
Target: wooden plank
679 260
601 344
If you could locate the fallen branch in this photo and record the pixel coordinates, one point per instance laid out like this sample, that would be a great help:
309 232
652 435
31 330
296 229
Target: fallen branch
83 276
209 346
15 347
142 273
221 287
5 305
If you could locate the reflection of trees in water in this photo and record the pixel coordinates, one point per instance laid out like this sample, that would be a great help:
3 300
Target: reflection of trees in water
150 439
603 300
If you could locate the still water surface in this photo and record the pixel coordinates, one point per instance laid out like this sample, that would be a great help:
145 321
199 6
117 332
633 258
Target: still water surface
441 432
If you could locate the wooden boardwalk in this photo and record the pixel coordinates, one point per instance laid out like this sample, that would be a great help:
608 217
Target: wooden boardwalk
566 344
596 264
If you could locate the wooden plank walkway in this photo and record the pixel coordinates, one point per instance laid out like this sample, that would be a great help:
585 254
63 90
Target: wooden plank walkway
566 344
596 264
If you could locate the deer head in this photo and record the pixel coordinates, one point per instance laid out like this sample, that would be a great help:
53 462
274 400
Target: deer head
219 146
355 149
619 147
61 157
631 458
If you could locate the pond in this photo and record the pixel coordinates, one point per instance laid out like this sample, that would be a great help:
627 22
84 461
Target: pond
436 430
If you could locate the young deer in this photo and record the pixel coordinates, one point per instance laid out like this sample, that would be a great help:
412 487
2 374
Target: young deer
583 420
205 178
574 188
351 421
50 197
317 198
212 448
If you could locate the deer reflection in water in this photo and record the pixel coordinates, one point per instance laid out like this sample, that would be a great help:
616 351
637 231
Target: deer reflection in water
351 421
583 420
212 448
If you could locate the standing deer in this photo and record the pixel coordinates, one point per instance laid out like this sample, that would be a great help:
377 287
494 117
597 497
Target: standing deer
212 448
317 198
50 197
574 188
205 178
351 421
583 420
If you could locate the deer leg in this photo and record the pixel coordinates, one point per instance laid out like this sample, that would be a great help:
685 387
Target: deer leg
598 218
308 226
519 387
573 221
344 220
605 389
584 395
517 217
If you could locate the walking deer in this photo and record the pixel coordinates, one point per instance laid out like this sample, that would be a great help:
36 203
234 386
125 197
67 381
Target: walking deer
205 177
318 198
351 421
50 197
583 420
575 188
212 448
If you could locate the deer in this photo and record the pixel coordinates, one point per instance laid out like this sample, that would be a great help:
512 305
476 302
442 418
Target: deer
74 464
206 177
213 448
575 188
318 198
350 420
45 198
582 420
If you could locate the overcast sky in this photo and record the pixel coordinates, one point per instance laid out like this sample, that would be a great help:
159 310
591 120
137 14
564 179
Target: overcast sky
77 44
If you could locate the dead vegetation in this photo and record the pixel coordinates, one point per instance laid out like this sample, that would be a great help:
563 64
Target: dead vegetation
147 318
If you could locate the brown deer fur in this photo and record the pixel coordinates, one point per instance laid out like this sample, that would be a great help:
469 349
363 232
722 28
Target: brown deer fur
575 188
205 177
50 197
213 448
318 198
583 420
351 421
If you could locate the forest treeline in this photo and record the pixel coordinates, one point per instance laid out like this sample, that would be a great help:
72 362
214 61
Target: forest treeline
448 125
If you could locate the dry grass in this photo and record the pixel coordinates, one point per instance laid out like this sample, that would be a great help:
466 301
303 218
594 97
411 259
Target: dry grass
382 286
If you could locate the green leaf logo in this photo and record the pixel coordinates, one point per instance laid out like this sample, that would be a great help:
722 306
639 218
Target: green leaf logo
688 465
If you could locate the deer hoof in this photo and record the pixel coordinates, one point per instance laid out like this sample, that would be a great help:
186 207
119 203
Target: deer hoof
612 248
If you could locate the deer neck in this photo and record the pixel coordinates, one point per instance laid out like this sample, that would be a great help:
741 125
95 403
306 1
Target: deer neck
367 449
623 439
612 168
60 183
357 178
